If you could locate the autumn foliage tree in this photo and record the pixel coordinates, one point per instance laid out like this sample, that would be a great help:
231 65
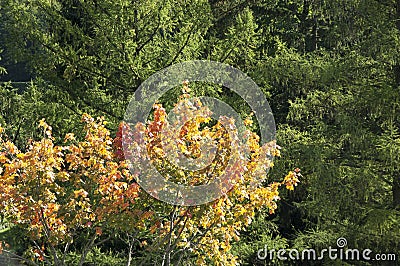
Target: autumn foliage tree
85 187
58 192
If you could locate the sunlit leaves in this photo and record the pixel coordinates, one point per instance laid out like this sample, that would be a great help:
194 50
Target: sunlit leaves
56 190
206 231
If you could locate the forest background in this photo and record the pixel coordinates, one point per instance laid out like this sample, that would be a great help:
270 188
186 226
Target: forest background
330 71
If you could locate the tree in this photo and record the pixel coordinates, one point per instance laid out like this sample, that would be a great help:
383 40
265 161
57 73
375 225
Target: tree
58 192
340 121
99 52
329 68
84 187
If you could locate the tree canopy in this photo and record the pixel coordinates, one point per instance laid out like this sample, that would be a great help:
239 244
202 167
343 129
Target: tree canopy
330 71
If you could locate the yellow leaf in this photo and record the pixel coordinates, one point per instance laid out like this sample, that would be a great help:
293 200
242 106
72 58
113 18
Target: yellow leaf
42 123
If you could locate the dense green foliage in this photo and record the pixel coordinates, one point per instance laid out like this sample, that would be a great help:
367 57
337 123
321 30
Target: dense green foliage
330 69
